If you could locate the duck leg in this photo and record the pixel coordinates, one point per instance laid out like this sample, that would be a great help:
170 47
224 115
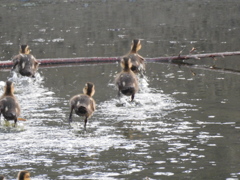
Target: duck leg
132 98
119 94
85 123
15 122
0 109
70 116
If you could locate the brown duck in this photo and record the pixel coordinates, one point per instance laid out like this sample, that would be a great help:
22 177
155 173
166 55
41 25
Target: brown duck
126 81
83 104
138 62
9 106
26 63
23 175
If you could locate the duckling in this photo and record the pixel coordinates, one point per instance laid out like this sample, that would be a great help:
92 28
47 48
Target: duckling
9 106
83 104
23 175
126 81
26 62
138 62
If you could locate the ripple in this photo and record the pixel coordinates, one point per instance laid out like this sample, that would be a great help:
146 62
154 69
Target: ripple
163 174
133 135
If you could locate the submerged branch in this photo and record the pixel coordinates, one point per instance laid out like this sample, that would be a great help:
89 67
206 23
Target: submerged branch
203 67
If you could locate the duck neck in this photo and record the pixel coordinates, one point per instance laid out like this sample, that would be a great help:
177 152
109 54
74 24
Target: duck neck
133 51
23 53
88 94
126 69
8 92
134 48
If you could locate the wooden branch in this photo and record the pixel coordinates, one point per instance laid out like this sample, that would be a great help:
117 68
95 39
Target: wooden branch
192 56
169 59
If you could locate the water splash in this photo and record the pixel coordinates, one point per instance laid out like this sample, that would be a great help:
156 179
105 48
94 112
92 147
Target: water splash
152 130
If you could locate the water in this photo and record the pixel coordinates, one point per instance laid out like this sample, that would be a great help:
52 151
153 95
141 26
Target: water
168 132
184 123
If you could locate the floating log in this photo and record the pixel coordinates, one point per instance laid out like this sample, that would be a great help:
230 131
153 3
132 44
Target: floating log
58 61
55 61
193 56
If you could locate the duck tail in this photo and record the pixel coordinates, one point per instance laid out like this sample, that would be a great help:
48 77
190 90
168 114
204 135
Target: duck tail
82 110
128 91
10 115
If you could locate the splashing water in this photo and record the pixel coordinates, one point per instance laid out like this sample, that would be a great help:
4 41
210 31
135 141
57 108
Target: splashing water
131 133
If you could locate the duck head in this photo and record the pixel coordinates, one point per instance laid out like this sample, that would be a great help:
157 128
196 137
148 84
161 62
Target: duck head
24 49
126 63
89 89
136 46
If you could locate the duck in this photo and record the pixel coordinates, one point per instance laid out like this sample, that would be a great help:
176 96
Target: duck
83 104
26 62
138 62
9 106
126 81
23 175
2 177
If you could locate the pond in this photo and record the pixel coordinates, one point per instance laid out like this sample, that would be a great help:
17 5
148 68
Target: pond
184 123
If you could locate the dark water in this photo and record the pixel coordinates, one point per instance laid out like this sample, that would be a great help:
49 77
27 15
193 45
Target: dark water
182 126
